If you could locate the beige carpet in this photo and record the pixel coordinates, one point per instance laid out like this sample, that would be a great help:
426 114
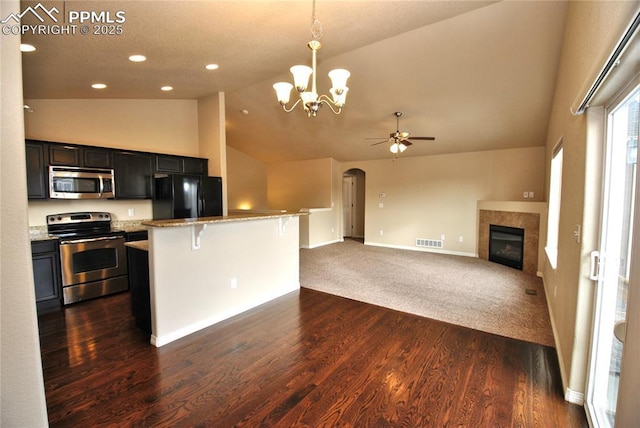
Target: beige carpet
459 290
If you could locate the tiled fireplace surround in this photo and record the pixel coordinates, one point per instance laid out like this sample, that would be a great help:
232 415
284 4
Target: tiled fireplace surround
530 222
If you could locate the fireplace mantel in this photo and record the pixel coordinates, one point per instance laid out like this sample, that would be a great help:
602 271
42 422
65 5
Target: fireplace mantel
530 216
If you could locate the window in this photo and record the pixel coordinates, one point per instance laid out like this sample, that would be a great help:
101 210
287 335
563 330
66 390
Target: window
553 219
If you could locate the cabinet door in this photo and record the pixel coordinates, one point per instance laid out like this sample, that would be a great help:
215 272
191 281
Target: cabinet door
133 175
46 275
97 158
64 155
140 235
36 171
168 164
195 166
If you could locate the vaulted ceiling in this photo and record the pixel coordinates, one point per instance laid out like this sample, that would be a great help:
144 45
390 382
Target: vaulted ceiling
477 75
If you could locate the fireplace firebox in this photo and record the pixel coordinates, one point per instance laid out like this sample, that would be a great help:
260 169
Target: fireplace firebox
506 245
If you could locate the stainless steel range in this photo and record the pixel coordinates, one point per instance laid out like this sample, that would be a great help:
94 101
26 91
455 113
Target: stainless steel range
93 257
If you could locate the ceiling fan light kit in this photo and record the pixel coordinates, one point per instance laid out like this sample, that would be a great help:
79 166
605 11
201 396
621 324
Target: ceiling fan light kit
301 73
400 140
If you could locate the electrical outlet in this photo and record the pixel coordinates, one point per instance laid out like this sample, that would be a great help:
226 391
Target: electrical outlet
531 194
442 237
131 212
525 195
380 205
381 232
234 283
461 238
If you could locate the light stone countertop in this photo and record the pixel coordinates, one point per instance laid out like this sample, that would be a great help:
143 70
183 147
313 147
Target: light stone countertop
182 222
138 245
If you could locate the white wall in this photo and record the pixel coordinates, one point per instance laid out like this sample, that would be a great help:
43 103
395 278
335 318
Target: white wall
592 30
212 139
159 126
300 184
430 196
22 398
246 182
192 289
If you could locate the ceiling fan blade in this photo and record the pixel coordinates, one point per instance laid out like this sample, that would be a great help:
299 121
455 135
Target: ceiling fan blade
407 143
374 138
423 138
381 142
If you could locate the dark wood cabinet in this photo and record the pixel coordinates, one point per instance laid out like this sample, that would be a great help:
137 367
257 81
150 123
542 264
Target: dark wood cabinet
195 166
46 274
133 175
60 154
80 156
133 170
138 235
138 265
97 158
36 171
170 164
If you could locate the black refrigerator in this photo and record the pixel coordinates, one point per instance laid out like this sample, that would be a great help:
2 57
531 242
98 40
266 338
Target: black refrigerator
187 196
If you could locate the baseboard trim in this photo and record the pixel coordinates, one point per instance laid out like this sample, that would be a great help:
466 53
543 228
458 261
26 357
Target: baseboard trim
423 250
320 244
574 397
570 395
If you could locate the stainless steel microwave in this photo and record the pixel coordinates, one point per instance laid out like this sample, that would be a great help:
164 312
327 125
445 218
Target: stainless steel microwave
68 182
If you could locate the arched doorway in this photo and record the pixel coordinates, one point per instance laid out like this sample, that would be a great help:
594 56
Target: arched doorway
353 204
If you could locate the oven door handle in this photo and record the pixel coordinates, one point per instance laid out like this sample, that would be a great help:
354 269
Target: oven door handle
83 241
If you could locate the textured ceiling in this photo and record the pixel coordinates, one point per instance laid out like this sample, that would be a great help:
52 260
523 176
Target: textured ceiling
476 75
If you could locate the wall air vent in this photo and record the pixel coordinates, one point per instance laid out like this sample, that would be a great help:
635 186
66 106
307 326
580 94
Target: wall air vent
429 243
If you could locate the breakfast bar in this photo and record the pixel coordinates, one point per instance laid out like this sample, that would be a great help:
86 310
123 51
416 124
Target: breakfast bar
205 270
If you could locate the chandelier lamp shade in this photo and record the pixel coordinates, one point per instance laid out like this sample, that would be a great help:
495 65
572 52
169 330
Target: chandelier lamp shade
309 98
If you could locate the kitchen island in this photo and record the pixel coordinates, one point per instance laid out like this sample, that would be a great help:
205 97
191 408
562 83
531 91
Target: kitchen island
205 270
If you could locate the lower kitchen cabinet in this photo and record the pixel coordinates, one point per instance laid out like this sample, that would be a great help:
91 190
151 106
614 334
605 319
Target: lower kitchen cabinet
138 261
46 274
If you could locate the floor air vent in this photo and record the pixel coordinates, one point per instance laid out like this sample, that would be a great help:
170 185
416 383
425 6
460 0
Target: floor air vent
429 243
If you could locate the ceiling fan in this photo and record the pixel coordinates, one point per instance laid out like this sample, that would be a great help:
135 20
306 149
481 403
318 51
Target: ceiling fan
399 140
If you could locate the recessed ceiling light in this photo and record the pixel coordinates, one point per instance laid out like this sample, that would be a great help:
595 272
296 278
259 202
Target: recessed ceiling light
98 86
24 47
137 58
211 66
167 88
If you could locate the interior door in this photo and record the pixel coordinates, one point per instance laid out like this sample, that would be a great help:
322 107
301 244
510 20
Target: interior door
612 267
347 205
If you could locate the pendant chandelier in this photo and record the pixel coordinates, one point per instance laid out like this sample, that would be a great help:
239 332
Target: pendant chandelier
301 73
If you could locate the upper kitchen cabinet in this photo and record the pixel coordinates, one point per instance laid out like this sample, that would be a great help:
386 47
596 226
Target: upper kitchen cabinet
36 170
195 166
97 158
170 164
80 156
133 175
64 155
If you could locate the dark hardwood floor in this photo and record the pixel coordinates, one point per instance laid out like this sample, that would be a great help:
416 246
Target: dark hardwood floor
306 359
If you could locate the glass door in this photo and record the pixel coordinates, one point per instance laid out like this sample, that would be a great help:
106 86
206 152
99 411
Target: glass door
612 267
